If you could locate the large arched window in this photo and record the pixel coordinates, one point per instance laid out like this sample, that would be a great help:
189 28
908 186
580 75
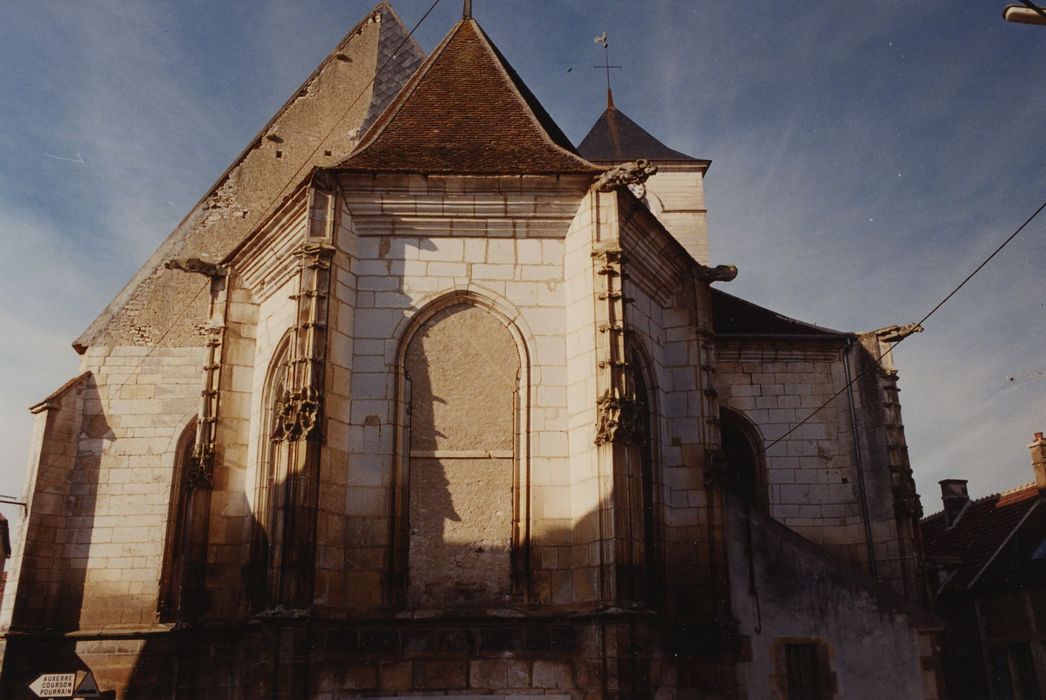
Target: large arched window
642 560
458 522
269 503
743 447
185 551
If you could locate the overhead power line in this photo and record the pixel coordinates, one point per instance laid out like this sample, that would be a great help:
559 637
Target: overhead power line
206 285
919 323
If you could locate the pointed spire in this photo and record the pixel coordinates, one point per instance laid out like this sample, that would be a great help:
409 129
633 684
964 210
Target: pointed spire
466 111
466 11
615 138
602 41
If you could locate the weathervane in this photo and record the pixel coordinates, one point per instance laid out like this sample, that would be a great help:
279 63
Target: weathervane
602 41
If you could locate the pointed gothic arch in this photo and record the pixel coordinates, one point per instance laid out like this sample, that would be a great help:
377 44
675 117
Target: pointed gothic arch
271 476
185 547
745 474
461 489
642 575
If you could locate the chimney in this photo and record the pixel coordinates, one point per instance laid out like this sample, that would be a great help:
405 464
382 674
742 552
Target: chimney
955 497
1038 462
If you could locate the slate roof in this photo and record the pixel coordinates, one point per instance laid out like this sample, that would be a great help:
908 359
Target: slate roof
734 316
466 111
615 138
983 529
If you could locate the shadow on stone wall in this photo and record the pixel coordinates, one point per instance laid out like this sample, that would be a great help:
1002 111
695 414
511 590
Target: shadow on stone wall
587 650
59 532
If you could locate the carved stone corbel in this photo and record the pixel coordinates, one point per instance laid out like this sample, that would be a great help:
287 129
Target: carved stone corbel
200 474
632 174
297 415
620 419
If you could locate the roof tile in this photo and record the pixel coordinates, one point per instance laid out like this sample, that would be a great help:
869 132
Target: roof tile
466 111
982 528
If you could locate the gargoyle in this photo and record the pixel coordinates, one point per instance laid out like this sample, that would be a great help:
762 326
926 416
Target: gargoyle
200 267
719 273
895 334
626 175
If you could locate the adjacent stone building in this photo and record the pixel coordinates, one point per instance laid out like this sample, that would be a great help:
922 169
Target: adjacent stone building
420 400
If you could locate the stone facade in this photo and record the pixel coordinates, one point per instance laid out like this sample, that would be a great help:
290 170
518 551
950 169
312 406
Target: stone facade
456 433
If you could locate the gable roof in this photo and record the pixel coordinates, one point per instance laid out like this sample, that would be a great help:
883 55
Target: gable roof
735 316
615 138
982 531
467 111
345 93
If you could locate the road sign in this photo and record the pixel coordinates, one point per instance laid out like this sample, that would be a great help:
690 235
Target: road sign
85 685
54 685
79 684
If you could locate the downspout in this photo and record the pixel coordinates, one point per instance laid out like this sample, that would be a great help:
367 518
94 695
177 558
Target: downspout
862 494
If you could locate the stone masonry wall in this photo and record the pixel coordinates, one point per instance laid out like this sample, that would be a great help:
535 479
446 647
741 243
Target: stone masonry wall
101 491
475 243
676 196
811 476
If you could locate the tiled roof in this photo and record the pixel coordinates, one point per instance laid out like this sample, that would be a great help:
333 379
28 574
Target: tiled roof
734 316
983 528
466 111
615 138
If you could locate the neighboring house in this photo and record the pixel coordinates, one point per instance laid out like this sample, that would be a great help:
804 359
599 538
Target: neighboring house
422 399
986 561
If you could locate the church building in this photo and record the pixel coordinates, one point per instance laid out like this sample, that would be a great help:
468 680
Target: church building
422 400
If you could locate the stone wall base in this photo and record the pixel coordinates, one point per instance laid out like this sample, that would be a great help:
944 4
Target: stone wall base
590 658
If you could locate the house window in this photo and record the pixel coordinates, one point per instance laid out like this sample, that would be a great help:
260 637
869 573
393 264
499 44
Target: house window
803 671
804 681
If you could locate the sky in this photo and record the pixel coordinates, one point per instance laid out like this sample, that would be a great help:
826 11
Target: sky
865 158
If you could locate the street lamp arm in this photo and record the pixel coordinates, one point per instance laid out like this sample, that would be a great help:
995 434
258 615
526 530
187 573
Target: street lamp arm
1025 13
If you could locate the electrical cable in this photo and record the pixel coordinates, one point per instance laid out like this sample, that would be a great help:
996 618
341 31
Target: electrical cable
293 178
919 323
319 144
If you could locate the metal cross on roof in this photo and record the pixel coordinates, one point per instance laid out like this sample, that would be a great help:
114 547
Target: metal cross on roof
602 41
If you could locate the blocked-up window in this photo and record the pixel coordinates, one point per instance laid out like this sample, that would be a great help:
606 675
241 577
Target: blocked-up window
462 373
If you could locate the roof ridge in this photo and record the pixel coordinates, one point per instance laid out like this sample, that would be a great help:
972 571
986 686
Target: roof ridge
1015 489
997 495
